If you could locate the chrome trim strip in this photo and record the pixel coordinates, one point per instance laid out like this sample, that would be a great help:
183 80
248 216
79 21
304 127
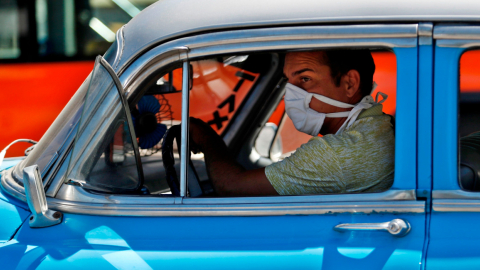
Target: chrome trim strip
456 32
456 205
455 201
237 210
302 45
455 194
120 46
390 195
458 43
425 33
78 195
185 152
306 33
460 36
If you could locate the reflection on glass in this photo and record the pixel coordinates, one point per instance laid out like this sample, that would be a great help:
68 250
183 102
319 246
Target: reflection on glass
103 156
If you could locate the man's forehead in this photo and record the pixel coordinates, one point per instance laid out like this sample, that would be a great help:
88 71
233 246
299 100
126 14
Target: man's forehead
310 55
295 60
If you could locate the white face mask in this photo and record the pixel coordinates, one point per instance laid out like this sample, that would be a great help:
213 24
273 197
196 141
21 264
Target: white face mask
307 120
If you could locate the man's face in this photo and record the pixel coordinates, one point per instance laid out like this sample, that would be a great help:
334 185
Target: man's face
307 71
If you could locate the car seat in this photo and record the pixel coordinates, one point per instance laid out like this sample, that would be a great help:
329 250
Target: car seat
470 162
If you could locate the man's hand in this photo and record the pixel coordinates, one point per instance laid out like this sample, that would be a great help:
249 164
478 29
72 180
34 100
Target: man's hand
201 134
228 177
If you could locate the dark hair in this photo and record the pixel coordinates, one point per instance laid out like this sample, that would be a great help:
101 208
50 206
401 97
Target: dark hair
342 61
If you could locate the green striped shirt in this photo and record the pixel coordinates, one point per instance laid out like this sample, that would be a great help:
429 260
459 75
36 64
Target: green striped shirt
360 159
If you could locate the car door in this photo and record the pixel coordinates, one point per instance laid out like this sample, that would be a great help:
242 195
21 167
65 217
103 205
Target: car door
453 242
298 231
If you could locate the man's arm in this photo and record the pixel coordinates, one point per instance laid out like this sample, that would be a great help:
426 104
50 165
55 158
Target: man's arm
228 177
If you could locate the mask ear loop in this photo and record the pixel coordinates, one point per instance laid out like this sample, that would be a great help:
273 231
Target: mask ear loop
384 97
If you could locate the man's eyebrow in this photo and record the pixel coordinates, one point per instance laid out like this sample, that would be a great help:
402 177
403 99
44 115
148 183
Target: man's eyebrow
301 71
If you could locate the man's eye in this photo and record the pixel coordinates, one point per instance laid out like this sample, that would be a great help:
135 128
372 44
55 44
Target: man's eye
305 79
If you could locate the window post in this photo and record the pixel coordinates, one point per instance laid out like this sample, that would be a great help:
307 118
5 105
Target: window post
184 152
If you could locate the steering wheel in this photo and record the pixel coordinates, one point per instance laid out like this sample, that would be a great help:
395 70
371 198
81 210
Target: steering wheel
194 185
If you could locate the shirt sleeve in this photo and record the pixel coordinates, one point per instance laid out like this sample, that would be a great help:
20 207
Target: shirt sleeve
314 168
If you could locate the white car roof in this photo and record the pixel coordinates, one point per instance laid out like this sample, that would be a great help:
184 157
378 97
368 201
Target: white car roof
168 19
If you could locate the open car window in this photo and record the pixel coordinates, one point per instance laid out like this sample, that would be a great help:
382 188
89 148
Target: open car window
219 89
279 138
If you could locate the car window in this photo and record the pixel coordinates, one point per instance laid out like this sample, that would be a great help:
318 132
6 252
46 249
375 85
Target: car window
219 87
287 138
469 126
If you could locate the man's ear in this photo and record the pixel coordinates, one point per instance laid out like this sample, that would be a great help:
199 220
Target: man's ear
352 82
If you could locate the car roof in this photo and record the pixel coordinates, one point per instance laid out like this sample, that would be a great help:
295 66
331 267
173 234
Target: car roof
168 19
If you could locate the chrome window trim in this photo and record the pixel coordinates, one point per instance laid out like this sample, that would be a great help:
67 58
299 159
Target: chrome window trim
425 33
182 210
456 205
455 194
371 31
120 45
389 195
455 201
460 36
184 149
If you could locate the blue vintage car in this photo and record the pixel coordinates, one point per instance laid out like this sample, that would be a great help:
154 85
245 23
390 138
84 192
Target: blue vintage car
107 187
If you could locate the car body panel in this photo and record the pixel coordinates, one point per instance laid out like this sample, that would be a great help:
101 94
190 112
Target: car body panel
12 218
445 171
13 213
283 242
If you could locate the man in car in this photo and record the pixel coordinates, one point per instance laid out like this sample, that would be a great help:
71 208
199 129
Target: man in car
328 93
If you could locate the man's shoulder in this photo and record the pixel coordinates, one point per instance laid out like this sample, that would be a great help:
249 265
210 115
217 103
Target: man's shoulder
371 129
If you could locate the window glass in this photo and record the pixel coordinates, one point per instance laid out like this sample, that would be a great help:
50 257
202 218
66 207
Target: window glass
103 156
9 32
468 125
